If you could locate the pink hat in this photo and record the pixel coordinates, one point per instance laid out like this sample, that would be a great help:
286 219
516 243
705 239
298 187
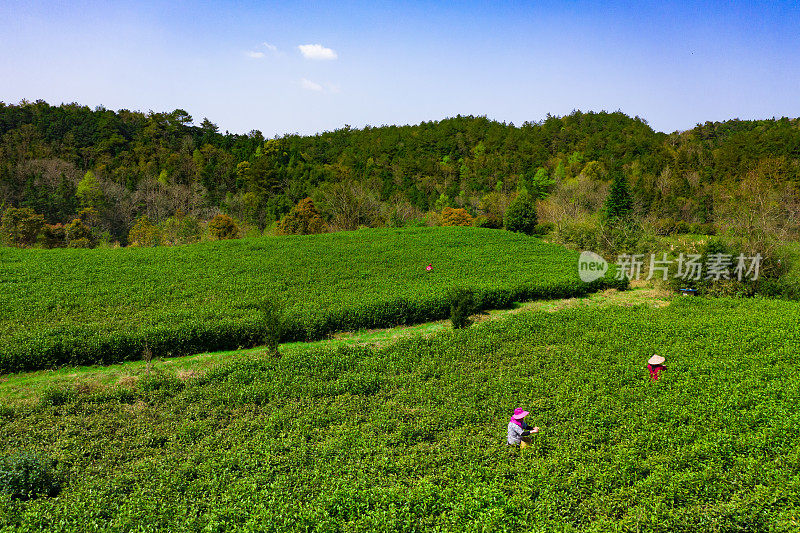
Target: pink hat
519 413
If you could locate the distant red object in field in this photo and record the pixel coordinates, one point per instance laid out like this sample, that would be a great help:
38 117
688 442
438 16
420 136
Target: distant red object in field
429 267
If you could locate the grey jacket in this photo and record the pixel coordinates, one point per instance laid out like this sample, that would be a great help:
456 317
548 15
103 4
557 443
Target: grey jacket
515 433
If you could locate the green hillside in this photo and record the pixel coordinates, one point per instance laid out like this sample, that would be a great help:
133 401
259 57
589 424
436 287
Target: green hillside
410 437
127 164
100 306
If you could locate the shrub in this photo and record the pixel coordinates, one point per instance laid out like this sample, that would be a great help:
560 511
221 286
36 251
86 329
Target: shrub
521 214
20 227
456 217
189 230
54 236
681 227
89 216
83 242
770 281
79 232
303 219
394 220
583 235
664 226
544 228
493 206
180 229
56 395
25 475
780 288
462 307
432 218
223 227
624 236
144 233
703 229
482 222
274 321
418 222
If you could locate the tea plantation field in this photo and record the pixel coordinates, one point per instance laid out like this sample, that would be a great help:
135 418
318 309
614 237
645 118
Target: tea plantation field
410 437
99 306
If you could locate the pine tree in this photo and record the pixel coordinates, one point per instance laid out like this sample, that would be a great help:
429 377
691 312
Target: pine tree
619 204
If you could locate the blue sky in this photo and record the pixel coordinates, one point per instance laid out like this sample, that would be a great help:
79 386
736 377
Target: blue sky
241 63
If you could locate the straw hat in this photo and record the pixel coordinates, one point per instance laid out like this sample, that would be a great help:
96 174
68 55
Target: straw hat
519 413
655 360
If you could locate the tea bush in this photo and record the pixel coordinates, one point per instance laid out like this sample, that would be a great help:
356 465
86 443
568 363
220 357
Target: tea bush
25 475
274 324
57 395
462 307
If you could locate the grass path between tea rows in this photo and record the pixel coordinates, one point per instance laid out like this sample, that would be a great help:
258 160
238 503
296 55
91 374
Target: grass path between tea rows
28 386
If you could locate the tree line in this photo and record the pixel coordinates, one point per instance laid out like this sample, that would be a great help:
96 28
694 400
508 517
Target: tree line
109 173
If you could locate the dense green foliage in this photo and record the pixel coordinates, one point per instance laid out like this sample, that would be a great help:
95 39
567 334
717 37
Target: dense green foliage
144 233
25 475
82 307
462 307
411 437
521 214
20 226
128 164
274 324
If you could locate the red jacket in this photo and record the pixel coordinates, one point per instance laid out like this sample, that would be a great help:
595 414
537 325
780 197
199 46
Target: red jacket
654 370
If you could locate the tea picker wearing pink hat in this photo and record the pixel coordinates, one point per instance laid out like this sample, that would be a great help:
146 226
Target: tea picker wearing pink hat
519 430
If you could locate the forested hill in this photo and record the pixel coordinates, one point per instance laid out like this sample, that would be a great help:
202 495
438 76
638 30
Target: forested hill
125 164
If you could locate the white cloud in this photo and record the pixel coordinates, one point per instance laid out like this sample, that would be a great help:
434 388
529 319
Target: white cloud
317 52
310 85
271 49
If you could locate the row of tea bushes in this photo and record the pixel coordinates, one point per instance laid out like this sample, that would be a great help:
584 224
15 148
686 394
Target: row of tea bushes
100 306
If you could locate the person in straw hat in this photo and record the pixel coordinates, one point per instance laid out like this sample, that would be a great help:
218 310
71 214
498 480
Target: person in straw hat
655 365
519 430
